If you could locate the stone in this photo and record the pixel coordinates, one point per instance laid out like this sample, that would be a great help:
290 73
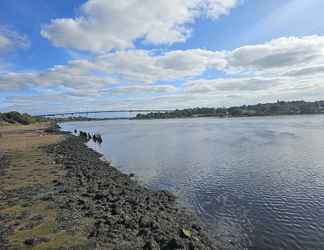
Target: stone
145 221
151 245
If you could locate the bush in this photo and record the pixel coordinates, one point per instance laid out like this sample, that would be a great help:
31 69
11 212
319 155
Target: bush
16 117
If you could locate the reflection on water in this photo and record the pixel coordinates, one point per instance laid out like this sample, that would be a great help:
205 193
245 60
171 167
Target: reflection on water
257 182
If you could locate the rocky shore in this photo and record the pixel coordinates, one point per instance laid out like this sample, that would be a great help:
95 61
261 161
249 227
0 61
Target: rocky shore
126 215
101 208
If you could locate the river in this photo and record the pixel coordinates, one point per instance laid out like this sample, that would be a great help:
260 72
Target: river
258 183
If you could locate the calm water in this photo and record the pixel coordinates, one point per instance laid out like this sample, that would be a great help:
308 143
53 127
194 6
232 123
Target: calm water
257 182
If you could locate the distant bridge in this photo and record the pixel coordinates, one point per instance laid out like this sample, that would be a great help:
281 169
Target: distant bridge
105 111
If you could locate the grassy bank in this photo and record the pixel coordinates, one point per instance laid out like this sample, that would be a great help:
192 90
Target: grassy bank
27 174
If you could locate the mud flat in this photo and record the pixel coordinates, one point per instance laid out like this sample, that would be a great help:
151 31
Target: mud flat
56 193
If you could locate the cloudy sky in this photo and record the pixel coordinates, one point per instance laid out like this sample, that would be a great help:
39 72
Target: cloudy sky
83 55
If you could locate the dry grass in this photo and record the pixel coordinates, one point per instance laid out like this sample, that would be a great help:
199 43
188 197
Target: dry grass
27 164
28 168
16 127
20 138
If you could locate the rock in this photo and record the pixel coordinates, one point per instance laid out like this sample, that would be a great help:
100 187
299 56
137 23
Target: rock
196 227
100 195
35 241
124 246
151 245
2 196
125 214
155 226
115 210
30 242
174 244
145 221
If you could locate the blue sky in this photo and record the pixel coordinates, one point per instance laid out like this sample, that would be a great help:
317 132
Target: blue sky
84 55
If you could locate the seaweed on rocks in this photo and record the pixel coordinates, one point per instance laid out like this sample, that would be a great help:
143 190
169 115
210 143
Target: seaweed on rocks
125 214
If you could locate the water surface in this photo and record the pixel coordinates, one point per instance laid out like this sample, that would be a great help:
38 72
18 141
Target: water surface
257 182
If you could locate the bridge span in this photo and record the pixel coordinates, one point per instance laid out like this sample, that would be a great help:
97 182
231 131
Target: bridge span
104 111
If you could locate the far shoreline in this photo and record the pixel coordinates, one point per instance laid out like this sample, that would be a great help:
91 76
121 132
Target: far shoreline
178 118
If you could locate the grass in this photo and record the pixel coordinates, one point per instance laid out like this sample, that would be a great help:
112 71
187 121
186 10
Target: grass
27 168
63 240
46 229
20 138
28 165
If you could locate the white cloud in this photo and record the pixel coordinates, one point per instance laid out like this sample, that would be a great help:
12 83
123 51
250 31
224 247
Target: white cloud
283 68
104 25
305 71
194 61
233 84
278 55
14 81
255 88
143 89
131 67
40 104
73 78
291 57
10 40
140 66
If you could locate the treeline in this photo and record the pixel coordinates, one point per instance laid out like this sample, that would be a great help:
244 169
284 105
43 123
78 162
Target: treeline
18 118
278 108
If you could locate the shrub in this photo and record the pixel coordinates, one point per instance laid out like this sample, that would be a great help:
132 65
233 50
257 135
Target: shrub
16 117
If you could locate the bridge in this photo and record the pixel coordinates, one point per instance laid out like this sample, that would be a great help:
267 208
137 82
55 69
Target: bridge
105 111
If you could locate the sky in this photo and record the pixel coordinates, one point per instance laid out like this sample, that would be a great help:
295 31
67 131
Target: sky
81 55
